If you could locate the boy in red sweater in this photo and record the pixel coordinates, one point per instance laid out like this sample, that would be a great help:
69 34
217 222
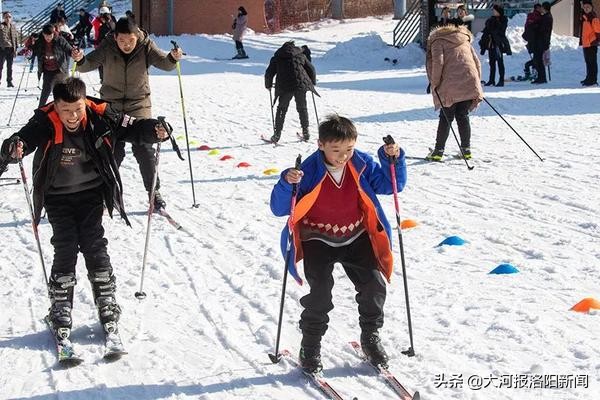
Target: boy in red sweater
338 218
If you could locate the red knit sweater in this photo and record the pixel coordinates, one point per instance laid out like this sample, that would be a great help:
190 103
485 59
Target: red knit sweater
336 217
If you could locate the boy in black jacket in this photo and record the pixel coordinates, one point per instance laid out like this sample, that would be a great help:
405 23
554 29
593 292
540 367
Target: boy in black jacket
74 176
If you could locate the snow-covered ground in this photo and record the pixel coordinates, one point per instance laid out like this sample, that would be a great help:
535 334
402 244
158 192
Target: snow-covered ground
213 291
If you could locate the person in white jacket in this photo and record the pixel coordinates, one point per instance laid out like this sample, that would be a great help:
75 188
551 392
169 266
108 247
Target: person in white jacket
239 26
464 17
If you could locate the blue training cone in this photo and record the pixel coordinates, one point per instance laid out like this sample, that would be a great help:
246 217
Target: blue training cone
452 241
504 269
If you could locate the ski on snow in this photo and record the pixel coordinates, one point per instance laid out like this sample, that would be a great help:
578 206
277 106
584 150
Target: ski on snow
161 211
64 349
317 379
113 348
385 374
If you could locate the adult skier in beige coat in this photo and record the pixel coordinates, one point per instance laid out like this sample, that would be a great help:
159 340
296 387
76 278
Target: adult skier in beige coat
454 72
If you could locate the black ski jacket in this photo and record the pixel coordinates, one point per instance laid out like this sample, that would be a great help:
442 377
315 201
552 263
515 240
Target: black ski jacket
102 128
294 71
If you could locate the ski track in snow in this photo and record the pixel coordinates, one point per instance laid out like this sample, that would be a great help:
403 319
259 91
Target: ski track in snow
213 287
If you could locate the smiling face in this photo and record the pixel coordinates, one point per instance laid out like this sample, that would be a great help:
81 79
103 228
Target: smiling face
587 8
70 114
338 153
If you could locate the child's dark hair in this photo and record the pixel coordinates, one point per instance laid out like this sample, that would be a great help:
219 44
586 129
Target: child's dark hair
126 25
336 128
70 90
48 29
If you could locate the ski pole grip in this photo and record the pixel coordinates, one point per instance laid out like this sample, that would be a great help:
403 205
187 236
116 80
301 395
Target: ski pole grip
161 120
390 140
298 161
176 46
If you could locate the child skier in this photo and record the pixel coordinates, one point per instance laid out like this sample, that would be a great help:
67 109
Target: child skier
74 175
338 218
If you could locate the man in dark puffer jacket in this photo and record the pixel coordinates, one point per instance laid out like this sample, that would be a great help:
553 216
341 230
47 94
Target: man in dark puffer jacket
295 76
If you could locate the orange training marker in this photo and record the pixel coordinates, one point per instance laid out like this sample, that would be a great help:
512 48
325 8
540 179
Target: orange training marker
226 157
408 223
586 304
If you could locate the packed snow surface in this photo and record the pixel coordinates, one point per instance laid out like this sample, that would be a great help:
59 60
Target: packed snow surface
211 314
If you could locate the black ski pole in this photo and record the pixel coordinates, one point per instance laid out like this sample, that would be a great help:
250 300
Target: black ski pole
411 350
276 357
141 295
187 139
271 105
16 97
32 214
30 65
315 105
513 129
470 167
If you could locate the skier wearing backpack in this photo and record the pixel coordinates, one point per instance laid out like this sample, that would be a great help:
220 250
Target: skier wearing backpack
125 58
295 76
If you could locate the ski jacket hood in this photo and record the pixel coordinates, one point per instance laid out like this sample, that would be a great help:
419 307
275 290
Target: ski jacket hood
371 179
453 67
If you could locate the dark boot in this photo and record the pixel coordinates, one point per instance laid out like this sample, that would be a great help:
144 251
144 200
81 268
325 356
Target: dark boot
104 287
276 136
159 202
435 155
310 359
60 290
305 133
373 349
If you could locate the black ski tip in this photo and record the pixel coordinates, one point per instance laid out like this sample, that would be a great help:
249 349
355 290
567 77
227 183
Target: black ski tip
416 396
140 295
70 362
114 356
410 352
275 358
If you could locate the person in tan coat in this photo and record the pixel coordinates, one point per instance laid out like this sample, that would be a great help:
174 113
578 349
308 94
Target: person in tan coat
454 73
125 58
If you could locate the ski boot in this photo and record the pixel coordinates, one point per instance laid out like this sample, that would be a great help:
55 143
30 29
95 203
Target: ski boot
104 287
310 359
435 155
305 134
60 289
373 349
466 151
276 136
159 202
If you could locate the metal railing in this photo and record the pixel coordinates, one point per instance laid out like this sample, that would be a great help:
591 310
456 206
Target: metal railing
407 29
71 8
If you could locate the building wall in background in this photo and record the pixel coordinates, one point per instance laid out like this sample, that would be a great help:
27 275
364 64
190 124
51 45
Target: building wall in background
216 16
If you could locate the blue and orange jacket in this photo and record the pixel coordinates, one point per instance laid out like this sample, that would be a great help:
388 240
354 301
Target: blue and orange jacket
371 179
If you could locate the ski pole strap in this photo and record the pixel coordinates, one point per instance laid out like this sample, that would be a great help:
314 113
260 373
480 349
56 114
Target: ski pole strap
169 130
390 140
